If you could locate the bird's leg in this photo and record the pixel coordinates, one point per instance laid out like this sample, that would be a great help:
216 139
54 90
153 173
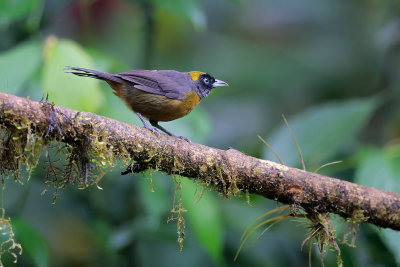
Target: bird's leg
155 124
146 125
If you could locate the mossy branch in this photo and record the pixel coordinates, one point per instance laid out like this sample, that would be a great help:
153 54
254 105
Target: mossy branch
229 171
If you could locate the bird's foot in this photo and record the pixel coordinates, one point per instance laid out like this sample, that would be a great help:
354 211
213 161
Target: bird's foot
184 138
152 129
180 137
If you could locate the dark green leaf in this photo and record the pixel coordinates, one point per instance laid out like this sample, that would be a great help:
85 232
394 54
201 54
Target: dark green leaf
67 89
205 218
188 8
321 131
32 242
377 169
380 169
11 10
154 195
17 65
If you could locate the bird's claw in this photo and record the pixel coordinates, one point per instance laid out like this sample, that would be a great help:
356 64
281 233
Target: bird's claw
157 132
185 138
152 129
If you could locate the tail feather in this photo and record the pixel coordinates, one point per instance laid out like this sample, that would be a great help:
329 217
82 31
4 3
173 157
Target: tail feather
92 74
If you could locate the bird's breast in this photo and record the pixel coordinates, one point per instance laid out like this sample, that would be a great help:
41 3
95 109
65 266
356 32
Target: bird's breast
159 107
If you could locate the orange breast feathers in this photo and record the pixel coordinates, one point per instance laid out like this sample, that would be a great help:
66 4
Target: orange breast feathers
157 107
191 100
172 109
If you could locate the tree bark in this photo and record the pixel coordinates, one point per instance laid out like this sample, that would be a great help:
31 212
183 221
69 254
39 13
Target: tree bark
229 171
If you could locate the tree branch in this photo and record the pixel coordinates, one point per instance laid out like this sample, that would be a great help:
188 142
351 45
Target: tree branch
229 171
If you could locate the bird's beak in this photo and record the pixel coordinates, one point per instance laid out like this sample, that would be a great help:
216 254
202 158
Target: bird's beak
219 83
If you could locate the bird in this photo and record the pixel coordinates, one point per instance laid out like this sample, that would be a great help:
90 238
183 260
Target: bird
157 95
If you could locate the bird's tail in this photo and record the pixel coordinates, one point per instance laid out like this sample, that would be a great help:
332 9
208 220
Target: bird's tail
92 74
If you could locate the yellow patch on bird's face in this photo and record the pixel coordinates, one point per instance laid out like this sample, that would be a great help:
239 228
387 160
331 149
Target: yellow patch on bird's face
196 74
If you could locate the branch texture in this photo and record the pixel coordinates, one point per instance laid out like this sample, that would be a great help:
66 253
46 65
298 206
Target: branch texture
229 171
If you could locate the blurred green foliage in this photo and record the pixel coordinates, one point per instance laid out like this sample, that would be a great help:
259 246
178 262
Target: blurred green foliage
335 126
57 54
10 64
330 66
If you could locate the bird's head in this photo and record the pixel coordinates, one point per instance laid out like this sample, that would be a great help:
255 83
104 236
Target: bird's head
205 82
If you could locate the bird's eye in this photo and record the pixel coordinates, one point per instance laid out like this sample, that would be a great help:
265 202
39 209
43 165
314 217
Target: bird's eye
206 80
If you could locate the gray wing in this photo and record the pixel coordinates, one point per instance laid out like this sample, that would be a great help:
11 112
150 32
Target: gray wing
170 83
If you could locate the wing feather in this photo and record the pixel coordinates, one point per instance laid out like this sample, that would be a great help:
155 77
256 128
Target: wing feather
172 84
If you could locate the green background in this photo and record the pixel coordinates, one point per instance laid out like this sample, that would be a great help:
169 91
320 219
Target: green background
332 67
